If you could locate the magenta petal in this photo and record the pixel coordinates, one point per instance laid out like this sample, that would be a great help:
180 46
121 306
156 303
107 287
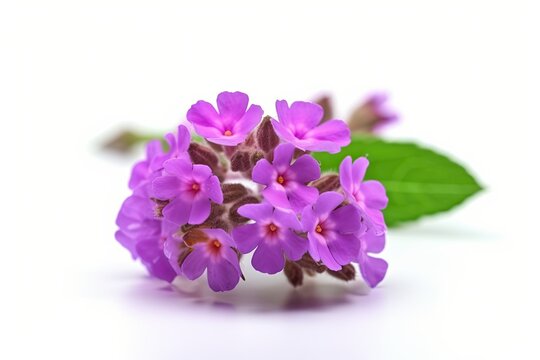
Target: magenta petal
232 106
248 122
287 219
139 173
222 275
184 138
257 212
166 187
344 248
263 172
212 188
346 219
177 211
305 169
313 247
178 167
293 245
127 242
220 235
336 131
232 140
201 172
374 243
203 114
283 155
304 115
282 110
276 195
246 237
284 132
374 194
360 166
200 209
373 270
345 176
327 202
195 263
301 195
155 261
268 258
324 252
309 219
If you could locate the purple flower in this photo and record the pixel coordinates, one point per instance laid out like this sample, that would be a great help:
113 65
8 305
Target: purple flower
143 235
146 170
298 126
273 234
211 250
369 196
332 230
372 269
285 183
233 122
377 104
190 189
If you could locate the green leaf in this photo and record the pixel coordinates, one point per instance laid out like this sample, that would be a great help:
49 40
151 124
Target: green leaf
418 181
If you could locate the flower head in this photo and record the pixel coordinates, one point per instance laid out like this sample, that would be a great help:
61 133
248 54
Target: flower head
369 196
286 183
143 235
372 269
273 234
190 189
210 250
233 122
299 125
331 230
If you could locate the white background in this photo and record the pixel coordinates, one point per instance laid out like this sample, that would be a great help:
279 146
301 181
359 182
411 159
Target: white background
463 74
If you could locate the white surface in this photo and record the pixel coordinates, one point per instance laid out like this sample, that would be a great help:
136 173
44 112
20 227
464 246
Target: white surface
463 74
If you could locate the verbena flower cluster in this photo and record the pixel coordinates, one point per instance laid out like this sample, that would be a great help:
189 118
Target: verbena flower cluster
252 186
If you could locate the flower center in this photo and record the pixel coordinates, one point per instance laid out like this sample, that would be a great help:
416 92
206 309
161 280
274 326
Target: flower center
195 187
280 179
319 228
272 228
227 133
216 244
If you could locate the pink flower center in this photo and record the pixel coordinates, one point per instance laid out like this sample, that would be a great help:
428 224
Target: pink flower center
280 179
214 247
227 133
319 229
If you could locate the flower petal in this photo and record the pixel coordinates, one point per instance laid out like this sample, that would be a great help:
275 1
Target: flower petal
346 219
249 120
374 243
257 212
309 219
305 169
177 211
327 202
201 172
203 114
359 169
268 258
212 188
301 195
232 106
345 176
305 116
293 245
220 235
284 132
344 248
373 270
275 194
374 194
282 110
336 131
195 263
155 261
166 187
200 209
283 155
246 237
222 275
184 138
263 172
325 254
287 219
178 167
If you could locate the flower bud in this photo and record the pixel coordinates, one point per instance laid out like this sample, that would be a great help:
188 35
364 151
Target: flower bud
267 138
234 216
240 161
204 155
158 207
328 182
326 103
294 273
347 273
307 263
233 192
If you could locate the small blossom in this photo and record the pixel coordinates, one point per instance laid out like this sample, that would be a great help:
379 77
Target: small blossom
332 230
369 196
210 250
233 122
285 182
273 234
299 125
143 235
190 189
372 269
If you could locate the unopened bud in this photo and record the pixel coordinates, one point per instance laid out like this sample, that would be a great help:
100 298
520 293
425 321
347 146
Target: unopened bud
347 273
233 192
240 161
255 157
204 155
294 273
158 207
326 103
183 255
267 138
308 264
215 147
328 182
234 216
